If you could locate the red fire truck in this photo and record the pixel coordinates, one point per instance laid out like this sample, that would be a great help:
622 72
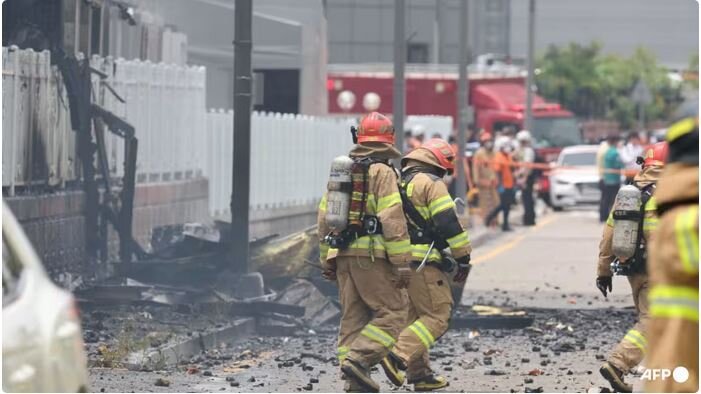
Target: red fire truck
497 95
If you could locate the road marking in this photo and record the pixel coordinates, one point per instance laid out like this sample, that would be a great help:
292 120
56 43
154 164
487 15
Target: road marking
499 250
511 244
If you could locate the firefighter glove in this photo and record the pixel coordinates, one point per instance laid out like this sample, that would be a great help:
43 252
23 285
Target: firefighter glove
329 271
604 284
402 275
463 270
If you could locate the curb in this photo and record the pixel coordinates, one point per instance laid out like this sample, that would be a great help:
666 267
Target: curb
172 354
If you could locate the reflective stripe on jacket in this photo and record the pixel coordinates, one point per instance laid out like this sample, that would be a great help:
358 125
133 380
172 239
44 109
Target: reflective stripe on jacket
433 202
383 201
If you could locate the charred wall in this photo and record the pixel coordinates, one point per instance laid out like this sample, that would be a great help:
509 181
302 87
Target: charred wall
55 224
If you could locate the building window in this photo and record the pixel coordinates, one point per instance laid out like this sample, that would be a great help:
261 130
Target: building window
417 53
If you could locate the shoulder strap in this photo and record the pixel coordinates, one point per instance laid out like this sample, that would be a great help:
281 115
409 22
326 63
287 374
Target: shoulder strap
646 192
410 210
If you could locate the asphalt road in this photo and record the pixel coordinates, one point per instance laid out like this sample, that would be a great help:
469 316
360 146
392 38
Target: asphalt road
548 270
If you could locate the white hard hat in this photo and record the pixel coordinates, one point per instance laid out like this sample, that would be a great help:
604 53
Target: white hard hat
503 143
523 135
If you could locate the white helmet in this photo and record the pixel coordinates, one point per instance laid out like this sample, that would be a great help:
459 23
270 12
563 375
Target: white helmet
503 143
523 136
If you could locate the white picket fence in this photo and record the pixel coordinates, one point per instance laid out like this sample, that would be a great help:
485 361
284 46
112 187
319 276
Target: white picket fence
38 144
290 158
165 104
178 137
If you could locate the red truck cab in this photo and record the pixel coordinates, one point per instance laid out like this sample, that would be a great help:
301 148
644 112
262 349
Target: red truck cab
500 104
497 97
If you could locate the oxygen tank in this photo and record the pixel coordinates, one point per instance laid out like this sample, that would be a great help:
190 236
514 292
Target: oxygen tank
627 217
338 194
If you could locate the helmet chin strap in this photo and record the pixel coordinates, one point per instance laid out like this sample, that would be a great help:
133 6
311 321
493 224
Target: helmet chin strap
428 169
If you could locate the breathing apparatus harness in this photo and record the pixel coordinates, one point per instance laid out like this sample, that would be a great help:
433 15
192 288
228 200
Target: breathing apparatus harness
637 263
422 231
360 223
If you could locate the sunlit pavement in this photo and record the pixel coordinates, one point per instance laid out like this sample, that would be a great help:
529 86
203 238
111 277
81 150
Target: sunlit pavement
548 269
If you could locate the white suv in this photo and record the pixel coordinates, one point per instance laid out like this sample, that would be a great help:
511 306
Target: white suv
42 344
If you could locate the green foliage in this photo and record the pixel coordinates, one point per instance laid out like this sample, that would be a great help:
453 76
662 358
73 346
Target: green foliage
594 85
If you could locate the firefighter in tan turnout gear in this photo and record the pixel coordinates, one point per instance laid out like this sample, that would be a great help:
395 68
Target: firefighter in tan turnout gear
365 247
439 246
674 263
623 251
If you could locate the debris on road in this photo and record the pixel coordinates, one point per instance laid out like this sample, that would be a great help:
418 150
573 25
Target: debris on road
535 372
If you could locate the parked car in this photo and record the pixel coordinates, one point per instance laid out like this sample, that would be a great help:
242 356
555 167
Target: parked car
42 343
575 177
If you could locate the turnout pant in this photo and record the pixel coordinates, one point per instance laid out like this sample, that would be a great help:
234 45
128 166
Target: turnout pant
631 350
505 199
373 310
429 315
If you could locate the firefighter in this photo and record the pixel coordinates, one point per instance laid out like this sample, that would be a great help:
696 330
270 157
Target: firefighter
370 262
630 351
439 240
674 263
483 175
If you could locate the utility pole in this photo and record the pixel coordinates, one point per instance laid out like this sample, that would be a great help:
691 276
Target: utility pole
241 166
398 105
463 110
437 33
529 64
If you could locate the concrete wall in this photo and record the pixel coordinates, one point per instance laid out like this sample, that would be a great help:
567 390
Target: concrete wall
281 221
55 223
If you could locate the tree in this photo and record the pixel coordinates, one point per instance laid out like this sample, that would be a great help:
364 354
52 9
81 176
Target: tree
593 85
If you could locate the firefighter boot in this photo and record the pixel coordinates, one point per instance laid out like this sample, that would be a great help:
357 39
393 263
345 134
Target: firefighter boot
360 375
393 367
429 383
615 378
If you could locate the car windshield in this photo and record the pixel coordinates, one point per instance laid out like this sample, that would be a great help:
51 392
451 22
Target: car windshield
555 132
579 159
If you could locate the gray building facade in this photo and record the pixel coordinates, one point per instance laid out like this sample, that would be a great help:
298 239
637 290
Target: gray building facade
361 31
669 28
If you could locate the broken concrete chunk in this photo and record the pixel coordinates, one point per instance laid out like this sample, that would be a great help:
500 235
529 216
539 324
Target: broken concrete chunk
319 309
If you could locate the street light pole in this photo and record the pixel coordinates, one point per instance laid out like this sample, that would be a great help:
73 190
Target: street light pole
241 166
529 64
463 110
399 102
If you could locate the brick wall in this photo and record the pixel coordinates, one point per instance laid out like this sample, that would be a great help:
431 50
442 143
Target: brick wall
55 224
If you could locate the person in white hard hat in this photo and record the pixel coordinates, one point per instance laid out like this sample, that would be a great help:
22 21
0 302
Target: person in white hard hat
526 175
